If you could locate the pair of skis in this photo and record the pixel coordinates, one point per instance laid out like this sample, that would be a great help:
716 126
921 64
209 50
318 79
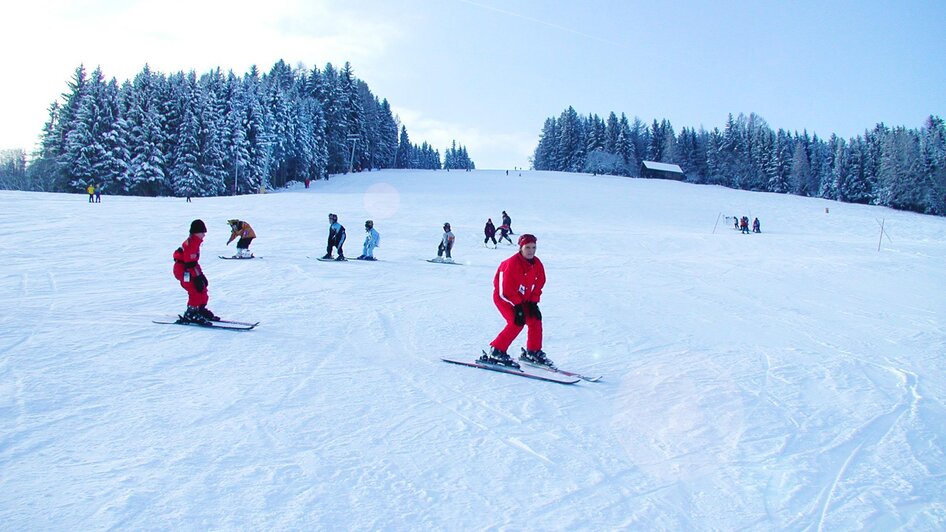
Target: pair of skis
221 324
528 370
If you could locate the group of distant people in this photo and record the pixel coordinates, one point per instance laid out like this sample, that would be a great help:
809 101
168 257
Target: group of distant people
337 236
95 194
504 231
742 224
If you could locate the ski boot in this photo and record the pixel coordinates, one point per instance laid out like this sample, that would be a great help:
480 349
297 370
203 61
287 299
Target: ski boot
498 358
340 257
436 259
448 260
327 256
360 257
193 315
536 357
206 313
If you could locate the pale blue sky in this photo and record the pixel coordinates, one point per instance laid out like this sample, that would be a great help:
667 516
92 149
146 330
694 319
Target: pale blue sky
488 73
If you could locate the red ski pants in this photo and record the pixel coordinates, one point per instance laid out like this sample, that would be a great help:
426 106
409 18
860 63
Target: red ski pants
195 298
511 331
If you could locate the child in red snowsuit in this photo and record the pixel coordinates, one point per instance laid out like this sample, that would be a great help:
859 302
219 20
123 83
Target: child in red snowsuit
517 289
187 270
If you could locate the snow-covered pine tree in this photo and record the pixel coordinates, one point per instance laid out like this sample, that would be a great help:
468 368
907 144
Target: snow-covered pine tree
612 132
544 155
626 148
388 131
356 135
405 151
336 121
800 177
900 186
571 151
281 138
185 176
214 155
856 187
114 168
146 172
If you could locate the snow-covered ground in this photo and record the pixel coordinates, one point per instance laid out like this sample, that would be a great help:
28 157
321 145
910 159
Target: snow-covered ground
788 380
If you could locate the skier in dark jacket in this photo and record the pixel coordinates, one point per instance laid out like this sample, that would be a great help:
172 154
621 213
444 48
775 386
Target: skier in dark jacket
507 221
187 270
490 232
504 233
336 238
755 226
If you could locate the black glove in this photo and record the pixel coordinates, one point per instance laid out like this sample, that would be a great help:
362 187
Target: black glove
534 310
519 315
200 283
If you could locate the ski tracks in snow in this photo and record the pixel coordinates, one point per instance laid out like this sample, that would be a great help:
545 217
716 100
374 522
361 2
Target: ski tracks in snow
828 461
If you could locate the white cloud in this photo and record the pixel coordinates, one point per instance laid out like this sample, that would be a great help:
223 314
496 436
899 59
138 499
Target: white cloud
43 42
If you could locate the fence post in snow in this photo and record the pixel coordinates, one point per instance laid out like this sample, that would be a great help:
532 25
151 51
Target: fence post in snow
881 238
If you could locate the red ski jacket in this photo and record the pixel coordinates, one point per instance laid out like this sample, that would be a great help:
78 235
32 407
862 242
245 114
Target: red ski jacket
186 257
518 281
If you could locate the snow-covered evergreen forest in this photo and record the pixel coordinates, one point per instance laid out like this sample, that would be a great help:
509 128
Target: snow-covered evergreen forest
188 135
894 167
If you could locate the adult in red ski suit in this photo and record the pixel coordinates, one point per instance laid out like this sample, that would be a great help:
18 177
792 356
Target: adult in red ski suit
517 290
187 270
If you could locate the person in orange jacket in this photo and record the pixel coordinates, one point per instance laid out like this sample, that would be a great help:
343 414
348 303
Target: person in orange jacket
187 270
517 290
241 229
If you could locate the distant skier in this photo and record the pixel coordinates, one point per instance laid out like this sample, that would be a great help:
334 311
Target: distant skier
243 231
187 270
372 240
517 290
91 190
756 228
98 194
336 238
744 225
507 221
504 234
446 244
735 223
490 231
